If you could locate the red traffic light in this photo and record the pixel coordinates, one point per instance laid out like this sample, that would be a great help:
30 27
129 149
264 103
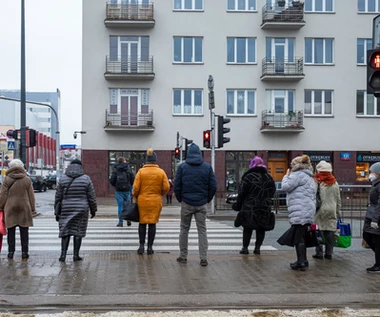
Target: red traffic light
177 153
375 61
207 139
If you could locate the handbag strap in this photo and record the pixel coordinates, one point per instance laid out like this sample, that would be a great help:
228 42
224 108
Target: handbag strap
67 188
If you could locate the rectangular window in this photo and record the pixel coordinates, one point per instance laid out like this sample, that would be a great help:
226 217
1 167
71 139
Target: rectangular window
319 51
241 5
318 102
241 50
241 102
319 5
129 100
280 101
367 104
187 101
188 5
361 47
188 49
368 6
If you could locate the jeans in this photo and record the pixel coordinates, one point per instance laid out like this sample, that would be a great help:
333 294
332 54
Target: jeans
199 213
121 197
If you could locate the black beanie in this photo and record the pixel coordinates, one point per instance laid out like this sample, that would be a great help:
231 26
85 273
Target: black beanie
76 161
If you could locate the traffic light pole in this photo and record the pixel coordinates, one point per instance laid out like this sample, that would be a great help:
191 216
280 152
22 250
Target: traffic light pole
211 105
180 149
23 88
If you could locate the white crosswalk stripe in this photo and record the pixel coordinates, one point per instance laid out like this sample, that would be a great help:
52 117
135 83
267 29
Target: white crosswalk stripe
103 235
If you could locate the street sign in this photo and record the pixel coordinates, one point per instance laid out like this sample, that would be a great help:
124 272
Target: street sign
68 146
11 145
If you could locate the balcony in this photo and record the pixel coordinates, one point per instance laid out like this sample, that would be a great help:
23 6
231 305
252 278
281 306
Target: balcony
281 16
129 67
291 121
118 121
129 15
282 69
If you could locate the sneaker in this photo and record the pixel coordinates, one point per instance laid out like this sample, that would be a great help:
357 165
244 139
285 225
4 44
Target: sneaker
374 269
181 260
119 224
129 223
370 268
204 263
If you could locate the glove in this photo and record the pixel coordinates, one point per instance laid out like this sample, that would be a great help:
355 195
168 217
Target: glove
92 214
57 218
374 225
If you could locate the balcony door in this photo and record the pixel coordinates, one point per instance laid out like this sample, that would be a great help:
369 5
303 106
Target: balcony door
281 103
129 110
280 53
129 55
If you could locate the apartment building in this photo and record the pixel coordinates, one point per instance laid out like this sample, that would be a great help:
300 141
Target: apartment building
291 76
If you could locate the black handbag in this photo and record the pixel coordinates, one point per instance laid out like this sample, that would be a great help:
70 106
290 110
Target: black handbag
318 200
130 211
313 237
58 206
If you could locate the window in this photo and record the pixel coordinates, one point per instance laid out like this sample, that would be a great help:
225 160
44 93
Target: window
319 51
319 5
362 46
188 5
241 101
368 5
318 102
187 101
129 101
241 5
241 50
367 104
280 101
188 49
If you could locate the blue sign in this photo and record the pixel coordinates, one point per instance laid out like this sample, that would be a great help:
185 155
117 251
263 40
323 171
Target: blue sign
345 156
11 145
68 146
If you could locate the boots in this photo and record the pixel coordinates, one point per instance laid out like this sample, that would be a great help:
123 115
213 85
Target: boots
151 236
301 258
140 250
64 246
77 244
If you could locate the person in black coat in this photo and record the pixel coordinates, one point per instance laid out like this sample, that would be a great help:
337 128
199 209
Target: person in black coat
256 191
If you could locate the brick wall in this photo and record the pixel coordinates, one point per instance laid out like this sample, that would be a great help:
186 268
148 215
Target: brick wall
95 164
345 171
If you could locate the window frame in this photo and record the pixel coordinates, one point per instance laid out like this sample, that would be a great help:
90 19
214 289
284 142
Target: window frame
313 4
324 63
183 51
235 105
183 113
183 2
365 114
272 94
364 63
115 94
246 51
377 4
236 6
323 103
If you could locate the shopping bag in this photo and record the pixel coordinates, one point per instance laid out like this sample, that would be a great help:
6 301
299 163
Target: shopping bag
342 236
313 236
130 211
1 241
3 229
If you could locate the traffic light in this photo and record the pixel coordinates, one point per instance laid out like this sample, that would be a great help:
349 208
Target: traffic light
14 134
373 72
177 153
207 139
187 142
32 138
222 130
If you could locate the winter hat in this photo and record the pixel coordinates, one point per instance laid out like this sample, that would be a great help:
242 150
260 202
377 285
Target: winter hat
375 168
301 162
323 166
76 161
257 161
15 162
151 156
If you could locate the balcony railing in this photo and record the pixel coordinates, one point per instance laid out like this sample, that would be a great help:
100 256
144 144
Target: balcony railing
124 15
288 69
285 16
124 67
120 121
291 121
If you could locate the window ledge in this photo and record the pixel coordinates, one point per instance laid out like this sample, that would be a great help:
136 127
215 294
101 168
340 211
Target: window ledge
188 10
320 12
187 115
242 11
241 115
232 63
318 116
311 64
363 12
361 64
366 116
183 63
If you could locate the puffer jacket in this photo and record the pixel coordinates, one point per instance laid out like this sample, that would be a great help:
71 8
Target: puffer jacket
17 198
76 203
151 183
300 189
327 216
195 181
374 202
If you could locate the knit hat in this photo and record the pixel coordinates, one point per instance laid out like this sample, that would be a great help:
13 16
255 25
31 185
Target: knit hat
76 161
15 162
301 162
323 166
151 156
375 168
257 161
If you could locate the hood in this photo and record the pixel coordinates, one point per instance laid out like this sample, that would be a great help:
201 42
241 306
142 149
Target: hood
16 172
193 155
306 171
122 167
74 170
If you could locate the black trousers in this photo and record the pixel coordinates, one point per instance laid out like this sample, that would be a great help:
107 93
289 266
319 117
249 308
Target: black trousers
24 236
373 242
151 233
247 235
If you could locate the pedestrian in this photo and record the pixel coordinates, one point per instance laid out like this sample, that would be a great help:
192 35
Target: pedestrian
18 203
194 186
299 185
151 183
76 194
169 194
122 179
254 201
371 229
327 215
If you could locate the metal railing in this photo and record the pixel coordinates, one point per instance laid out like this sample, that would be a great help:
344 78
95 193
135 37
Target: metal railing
117 119
283 13
120 11
129 64
282 67
286 120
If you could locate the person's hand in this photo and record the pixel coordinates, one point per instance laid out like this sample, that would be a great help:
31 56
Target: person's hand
374 225
288 172
92 214
57 218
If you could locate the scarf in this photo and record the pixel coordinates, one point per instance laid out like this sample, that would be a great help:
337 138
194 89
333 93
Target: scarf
325 177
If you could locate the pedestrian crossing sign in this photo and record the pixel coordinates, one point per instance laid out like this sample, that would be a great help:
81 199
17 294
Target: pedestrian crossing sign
11 145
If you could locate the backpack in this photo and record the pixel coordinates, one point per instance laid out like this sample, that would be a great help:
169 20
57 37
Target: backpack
123 183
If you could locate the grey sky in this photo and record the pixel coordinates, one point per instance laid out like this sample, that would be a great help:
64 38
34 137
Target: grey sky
54 53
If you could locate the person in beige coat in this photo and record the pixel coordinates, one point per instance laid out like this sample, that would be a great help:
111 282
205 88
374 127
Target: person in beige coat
327 215
17 202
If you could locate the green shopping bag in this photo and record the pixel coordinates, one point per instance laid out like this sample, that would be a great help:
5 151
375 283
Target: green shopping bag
342 236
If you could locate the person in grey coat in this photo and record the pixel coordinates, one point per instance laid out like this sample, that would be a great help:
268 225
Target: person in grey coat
299 185
76 192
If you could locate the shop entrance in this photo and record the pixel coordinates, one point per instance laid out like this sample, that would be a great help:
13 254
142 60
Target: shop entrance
277 165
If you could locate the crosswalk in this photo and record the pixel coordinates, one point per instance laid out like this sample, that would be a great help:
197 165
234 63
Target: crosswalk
103 235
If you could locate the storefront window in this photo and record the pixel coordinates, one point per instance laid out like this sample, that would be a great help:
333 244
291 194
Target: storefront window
135 160
362 171
237 163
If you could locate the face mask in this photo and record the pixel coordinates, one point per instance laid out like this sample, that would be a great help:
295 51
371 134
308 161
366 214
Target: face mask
372 177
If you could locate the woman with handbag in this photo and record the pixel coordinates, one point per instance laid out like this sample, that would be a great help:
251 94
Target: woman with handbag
256 191
327 215
299 185
371 229
151 183
17 202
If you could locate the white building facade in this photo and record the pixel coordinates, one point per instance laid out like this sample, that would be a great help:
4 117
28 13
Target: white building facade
290 75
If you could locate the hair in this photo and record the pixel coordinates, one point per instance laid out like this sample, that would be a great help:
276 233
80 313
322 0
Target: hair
149 152
121 159
15 162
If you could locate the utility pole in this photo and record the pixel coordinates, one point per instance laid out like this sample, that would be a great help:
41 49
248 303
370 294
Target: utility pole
211 106
180 149
23 88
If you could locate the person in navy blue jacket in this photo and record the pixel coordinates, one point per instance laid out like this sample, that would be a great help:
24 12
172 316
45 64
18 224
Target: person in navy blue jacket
194 186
